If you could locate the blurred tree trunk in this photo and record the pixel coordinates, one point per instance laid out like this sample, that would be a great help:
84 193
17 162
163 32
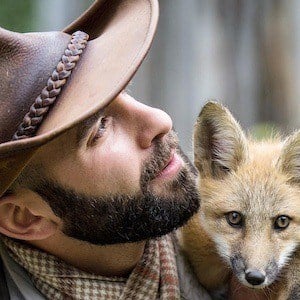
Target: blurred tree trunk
275 65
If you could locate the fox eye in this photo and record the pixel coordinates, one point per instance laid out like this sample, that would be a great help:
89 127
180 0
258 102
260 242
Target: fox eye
234 219
282 222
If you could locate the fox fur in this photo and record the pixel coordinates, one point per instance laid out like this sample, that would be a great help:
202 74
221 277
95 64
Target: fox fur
260 181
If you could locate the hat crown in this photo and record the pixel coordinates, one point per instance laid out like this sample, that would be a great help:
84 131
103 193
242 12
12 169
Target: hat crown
26 62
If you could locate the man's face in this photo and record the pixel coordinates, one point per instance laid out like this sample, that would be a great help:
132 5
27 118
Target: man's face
118 177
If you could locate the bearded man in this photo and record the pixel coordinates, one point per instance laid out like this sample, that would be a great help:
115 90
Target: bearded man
92 181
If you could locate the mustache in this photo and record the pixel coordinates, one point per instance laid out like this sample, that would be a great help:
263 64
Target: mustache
160 157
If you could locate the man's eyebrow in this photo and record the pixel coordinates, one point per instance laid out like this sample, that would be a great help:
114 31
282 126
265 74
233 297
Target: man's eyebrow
85 126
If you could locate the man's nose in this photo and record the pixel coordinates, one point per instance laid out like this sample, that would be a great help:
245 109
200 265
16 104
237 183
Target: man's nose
152 124
147 122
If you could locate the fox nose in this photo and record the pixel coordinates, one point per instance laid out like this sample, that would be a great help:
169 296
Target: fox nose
255 277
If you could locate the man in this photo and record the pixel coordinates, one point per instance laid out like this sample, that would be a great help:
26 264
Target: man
91 179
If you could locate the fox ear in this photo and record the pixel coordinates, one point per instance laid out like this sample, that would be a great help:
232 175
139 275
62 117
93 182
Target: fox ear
219 142
289 161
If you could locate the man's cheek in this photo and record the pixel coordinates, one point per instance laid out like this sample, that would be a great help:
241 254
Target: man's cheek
116 176
126 179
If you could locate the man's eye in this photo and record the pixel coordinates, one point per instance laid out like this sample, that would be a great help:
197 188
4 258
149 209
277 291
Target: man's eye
101 129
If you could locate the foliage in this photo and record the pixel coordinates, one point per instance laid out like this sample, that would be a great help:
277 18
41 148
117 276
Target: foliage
17 15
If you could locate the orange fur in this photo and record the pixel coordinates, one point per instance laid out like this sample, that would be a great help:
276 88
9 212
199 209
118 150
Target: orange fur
260 181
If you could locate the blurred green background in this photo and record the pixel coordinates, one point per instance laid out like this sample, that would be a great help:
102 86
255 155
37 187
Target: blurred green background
18 17
39 15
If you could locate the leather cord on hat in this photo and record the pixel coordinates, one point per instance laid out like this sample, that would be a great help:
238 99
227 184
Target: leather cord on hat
40 108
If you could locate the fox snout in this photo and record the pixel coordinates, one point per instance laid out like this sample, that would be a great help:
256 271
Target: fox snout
255 277
252 276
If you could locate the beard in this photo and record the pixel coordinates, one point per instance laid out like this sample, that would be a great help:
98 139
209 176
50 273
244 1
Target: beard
119 218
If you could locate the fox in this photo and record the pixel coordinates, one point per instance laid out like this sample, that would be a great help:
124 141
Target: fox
248 225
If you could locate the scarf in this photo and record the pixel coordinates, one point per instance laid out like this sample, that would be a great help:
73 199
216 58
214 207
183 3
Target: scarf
154 277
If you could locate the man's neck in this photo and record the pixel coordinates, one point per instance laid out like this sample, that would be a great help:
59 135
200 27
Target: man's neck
112 260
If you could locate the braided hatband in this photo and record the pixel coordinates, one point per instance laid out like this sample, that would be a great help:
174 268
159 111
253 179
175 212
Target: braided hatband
57 80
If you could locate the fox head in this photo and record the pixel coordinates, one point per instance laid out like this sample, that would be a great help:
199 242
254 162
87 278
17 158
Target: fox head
250 194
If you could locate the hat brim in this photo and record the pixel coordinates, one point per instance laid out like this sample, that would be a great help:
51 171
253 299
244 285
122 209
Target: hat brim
106 66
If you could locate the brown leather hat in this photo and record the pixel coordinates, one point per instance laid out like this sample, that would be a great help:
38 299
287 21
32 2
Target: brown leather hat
49 82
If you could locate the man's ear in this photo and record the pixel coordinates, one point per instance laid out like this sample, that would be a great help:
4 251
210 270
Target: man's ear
219 142
289 160
20 219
